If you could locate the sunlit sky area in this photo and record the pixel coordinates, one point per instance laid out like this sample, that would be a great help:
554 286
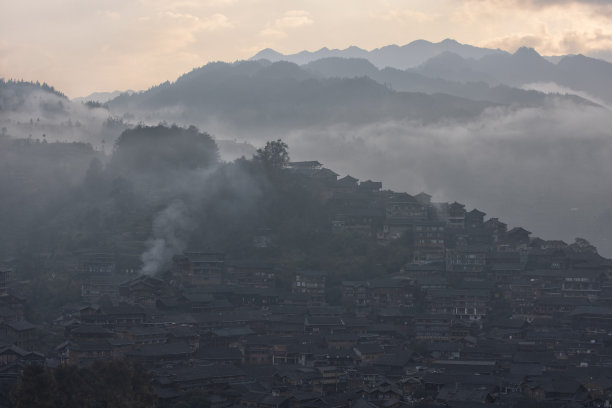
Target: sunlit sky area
104 45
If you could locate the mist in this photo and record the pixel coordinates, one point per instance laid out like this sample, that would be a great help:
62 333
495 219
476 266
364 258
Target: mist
556 89
177 178
540 168
193 205
42 113
537 160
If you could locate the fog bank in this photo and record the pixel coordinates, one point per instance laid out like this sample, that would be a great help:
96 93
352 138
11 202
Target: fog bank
543 168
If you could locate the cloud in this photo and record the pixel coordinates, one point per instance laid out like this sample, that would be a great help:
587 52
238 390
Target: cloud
551 27
81 47
272 32
597 8
291 19
156 37
186 4
567 42
112 15
515 41
577 42
545 3
406 16
214 22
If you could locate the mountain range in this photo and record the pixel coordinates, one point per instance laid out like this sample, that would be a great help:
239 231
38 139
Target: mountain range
421 81
400 57
284 95
458 69
255 94
445 81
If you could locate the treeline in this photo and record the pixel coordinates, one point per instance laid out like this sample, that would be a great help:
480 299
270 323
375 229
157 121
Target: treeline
34 85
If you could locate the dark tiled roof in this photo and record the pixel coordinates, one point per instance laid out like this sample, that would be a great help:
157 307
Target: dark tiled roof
20 325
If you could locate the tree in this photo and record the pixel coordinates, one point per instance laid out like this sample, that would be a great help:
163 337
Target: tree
123 385
155 149
73 387
192 399
581 245
274 155
35 388
109 384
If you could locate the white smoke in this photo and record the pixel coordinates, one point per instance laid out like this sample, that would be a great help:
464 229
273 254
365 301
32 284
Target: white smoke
196 197
170 228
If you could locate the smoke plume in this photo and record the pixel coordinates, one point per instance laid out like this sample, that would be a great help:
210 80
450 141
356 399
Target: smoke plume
169 237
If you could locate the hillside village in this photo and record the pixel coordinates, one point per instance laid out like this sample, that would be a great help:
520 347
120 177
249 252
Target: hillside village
480 314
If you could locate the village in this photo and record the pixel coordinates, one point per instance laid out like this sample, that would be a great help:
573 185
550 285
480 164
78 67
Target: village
482 314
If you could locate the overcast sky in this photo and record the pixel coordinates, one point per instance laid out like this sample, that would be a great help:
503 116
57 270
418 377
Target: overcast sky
103 45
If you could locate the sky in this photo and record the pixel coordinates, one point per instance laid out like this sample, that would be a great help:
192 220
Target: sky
81 47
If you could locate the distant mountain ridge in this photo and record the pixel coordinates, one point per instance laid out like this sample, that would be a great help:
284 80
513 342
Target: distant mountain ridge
282 94
449 66
525 66
395 56
262 94
431 78
102 97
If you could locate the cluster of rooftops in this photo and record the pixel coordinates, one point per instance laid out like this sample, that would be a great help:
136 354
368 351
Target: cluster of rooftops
479 316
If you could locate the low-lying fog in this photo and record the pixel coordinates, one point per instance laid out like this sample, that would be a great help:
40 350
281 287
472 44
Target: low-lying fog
546 169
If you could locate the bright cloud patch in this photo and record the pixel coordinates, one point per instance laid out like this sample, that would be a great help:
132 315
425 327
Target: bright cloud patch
294 19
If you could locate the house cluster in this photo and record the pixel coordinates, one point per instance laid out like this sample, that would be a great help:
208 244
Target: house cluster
481 315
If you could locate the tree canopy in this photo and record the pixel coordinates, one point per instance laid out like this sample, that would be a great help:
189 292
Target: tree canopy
160 148
110 384
274 155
